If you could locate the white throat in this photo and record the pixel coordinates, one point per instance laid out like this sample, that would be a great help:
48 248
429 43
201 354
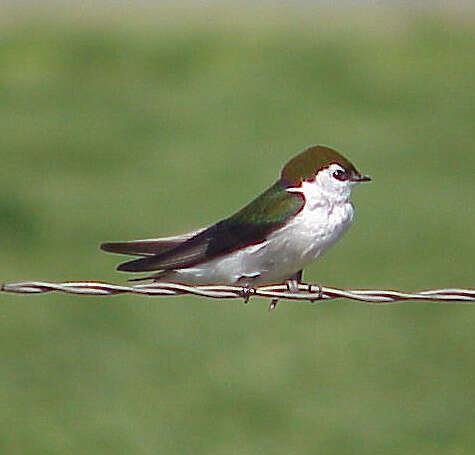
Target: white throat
324 189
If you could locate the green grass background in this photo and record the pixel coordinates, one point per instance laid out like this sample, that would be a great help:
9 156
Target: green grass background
122 122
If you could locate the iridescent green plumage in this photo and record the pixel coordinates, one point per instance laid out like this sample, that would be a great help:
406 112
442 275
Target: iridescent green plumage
250 225
310 161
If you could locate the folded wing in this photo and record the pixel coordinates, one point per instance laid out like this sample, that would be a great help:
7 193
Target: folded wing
249 226
148 247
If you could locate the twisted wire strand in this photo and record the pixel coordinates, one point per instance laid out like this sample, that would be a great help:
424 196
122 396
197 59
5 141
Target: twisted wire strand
309 292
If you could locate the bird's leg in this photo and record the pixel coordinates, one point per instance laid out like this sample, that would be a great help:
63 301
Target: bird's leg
247 291
297 279
292 284
294 281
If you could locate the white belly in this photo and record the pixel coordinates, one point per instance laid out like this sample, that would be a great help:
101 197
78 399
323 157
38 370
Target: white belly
283 253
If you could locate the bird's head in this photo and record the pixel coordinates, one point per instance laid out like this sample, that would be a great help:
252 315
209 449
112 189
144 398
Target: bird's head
324 168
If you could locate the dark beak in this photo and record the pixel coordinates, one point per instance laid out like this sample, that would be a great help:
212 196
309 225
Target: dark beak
360 178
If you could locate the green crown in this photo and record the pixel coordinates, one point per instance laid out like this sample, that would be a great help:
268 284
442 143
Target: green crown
310 161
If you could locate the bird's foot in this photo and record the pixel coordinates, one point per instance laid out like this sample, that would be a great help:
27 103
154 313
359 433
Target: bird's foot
292 285
247 292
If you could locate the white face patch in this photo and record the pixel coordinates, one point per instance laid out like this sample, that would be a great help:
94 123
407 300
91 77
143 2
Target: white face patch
329 185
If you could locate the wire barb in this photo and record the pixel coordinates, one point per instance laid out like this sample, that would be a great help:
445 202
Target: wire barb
309 292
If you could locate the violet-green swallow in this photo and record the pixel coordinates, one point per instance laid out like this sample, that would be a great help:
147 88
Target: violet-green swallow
268 241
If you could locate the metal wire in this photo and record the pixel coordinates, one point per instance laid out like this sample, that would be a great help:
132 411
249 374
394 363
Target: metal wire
309 292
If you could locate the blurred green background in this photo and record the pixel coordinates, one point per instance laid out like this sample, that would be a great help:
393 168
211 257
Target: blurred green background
122 121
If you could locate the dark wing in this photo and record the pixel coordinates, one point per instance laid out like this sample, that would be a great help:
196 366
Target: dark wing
148 247
249 226
139 247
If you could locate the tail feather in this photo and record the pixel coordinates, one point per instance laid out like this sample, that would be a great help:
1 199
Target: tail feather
141 247
148 247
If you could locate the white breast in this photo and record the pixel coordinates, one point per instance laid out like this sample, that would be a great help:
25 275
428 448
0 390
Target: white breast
320 223
324 218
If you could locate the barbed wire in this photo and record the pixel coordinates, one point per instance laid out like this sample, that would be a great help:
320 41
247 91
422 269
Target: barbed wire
309 292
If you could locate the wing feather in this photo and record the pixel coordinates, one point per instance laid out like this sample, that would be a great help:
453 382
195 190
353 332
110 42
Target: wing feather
139 247
248 226
148 247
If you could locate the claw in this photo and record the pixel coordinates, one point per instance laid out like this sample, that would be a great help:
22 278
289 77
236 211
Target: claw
246 293
292 286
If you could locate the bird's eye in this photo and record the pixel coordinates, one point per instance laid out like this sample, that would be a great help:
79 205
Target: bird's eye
340 175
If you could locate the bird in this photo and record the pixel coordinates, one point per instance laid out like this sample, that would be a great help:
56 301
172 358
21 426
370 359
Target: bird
268 241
